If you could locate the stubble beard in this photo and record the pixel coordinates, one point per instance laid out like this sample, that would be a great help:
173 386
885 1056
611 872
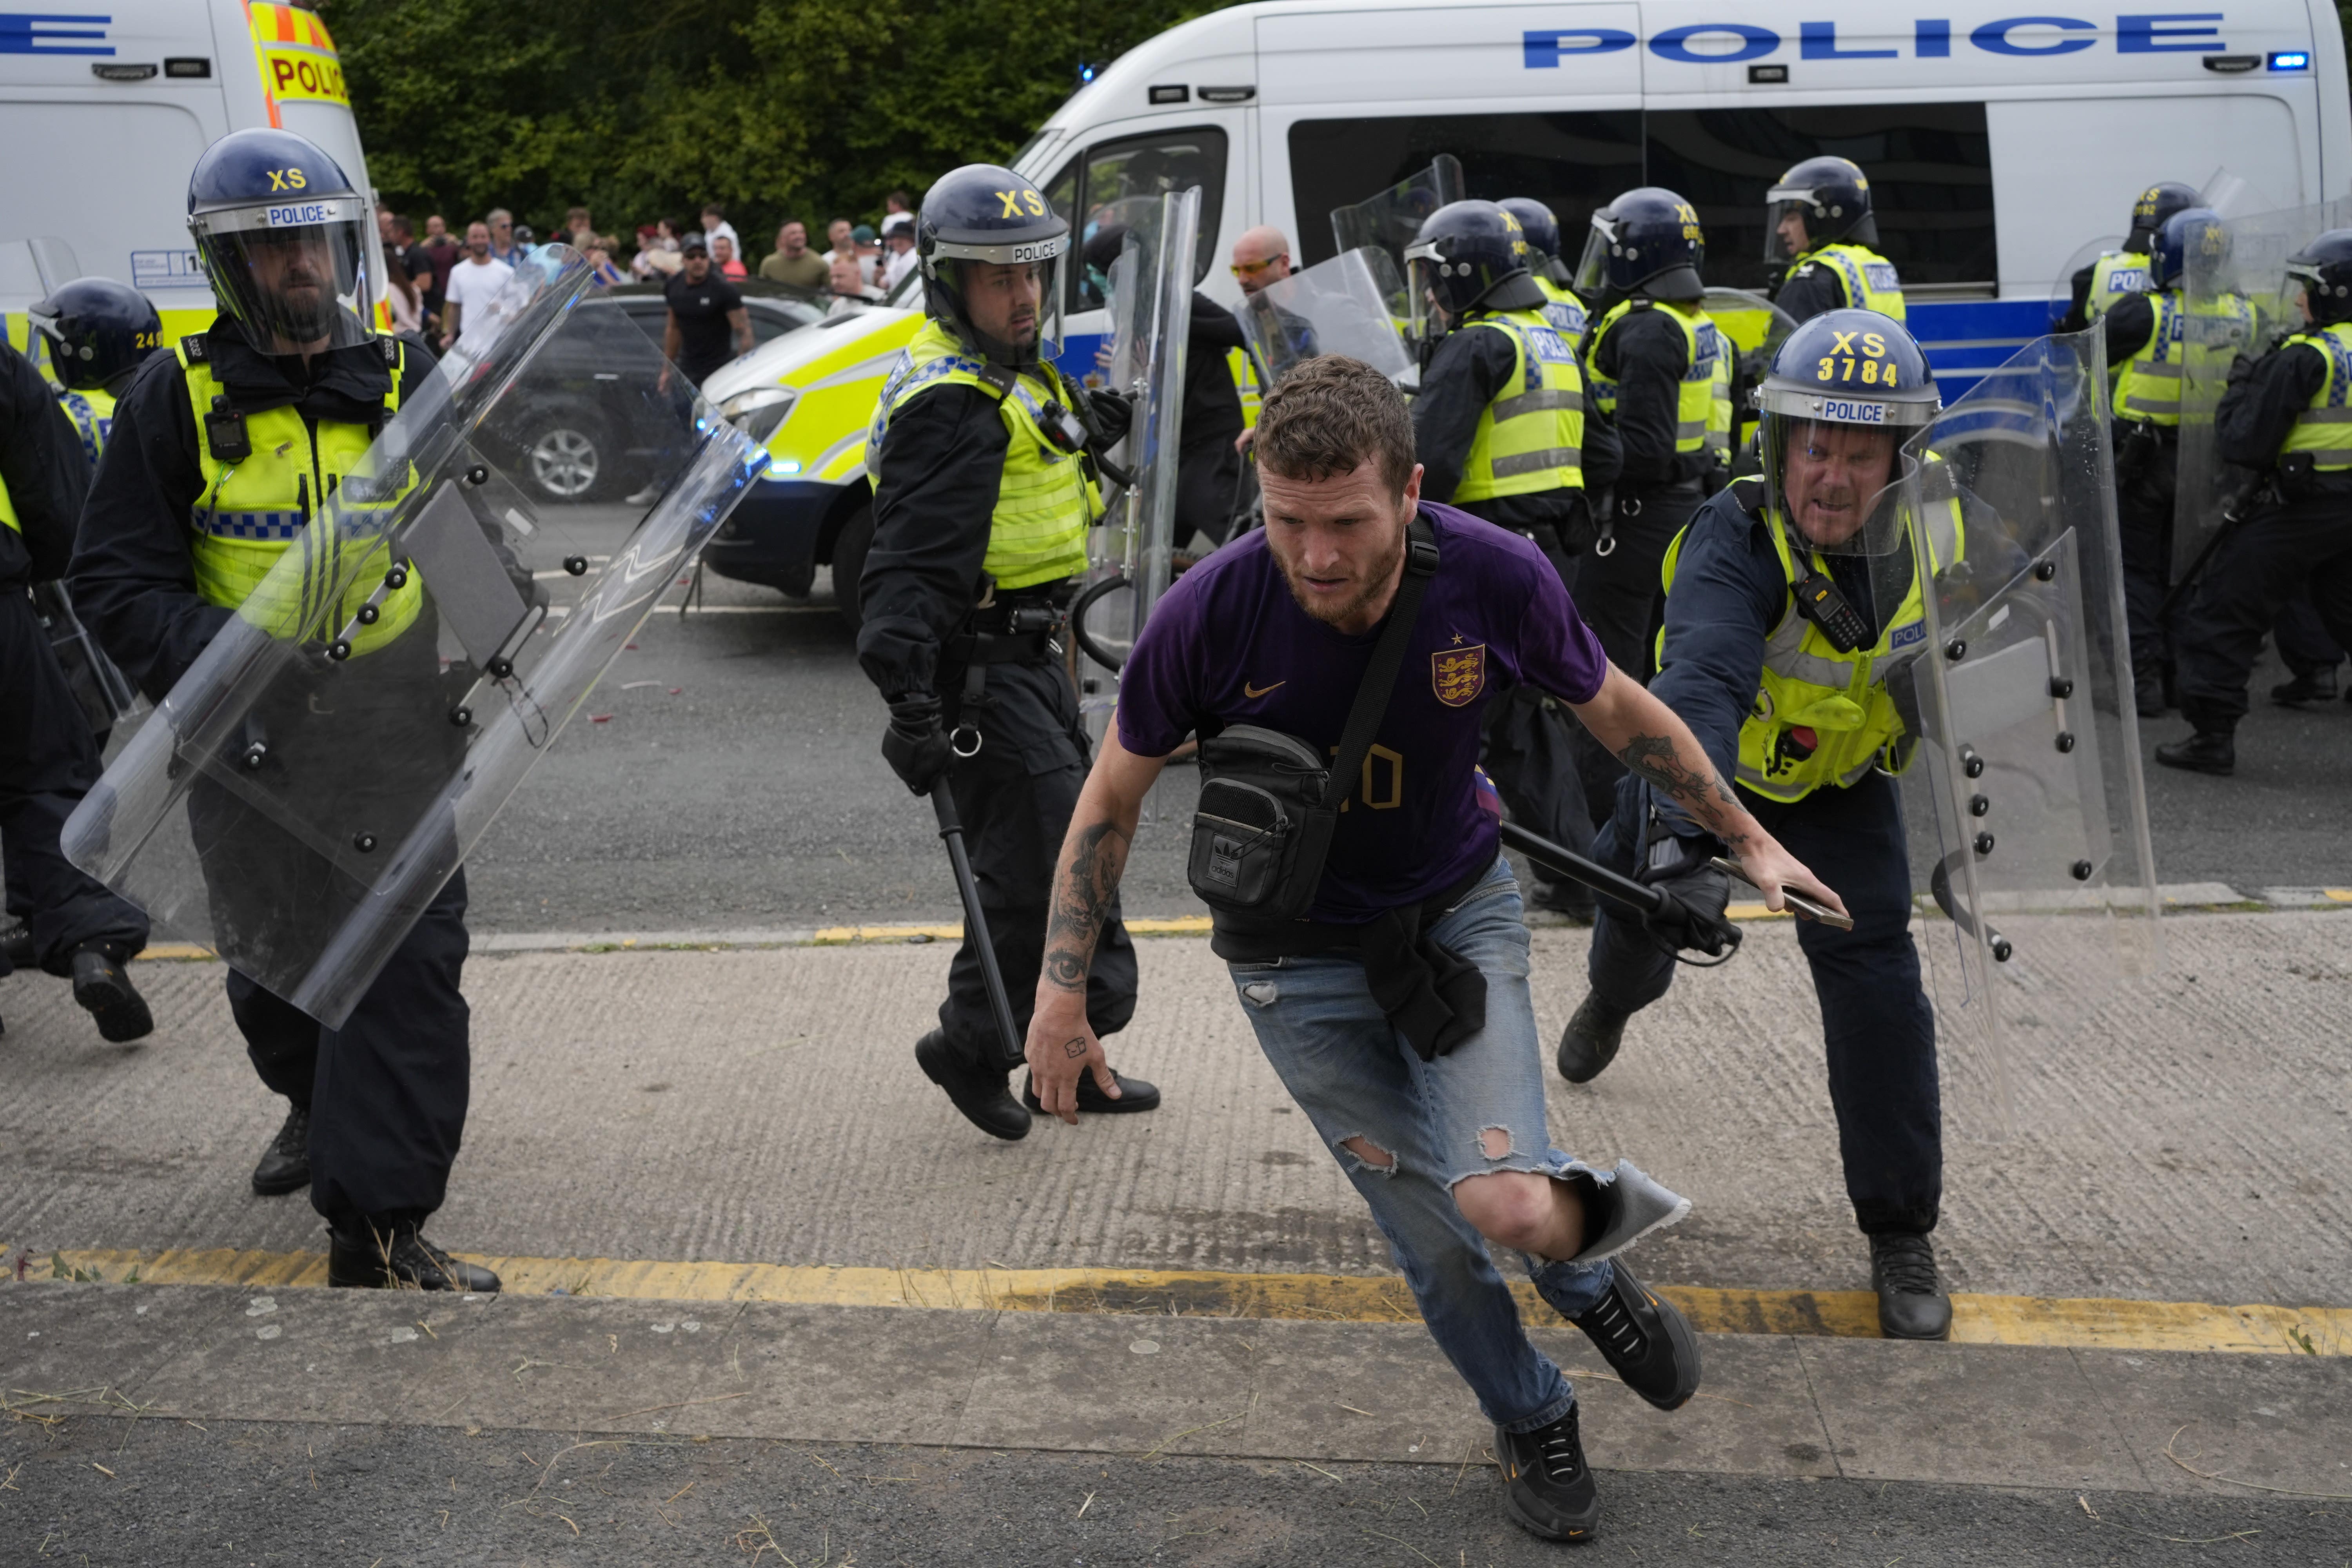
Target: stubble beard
1374 580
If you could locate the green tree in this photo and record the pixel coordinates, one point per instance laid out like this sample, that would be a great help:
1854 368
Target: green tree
771 108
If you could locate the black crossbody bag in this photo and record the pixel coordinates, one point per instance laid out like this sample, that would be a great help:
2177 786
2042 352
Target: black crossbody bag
1270 802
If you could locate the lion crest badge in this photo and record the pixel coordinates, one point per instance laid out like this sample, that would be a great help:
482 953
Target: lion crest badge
1458 674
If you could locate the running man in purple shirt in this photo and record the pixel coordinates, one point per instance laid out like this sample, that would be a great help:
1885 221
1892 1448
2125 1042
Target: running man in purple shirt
1445 1140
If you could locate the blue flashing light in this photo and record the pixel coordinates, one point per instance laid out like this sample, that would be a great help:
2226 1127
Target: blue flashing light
1086 74
783 468
2290 61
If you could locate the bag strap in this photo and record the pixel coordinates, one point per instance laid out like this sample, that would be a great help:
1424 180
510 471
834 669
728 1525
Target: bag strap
1379 676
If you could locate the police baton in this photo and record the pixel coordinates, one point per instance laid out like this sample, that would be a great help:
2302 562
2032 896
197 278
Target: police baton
1657 908
975 922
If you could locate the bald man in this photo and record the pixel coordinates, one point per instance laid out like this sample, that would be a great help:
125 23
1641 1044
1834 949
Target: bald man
1261 256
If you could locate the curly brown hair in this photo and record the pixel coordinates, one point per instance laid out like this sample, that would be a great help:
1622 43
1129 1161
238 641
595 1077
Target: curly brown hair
1331 415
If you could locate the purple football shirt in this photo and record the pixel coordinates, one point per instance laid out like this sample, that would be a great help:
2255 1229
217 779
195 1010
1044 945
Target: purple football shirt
1228 645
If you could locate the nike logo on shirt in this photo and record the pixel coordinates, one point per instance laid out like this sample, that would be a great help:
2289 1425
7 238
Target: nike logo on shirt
1253 691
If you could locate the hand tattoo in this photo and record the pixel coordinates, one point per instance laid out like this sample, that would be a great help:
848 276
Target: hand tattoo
1075 1048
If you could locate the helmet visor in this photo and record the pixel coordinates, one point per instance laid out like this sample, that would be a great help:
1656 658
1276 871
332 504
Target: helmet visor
1836 487
294 275
1009 311
1592 266
1785 240
1427 316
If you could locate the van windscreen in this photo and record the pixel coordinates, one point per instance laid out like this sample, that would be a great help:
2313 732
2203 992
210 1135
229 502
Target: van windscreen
1931 166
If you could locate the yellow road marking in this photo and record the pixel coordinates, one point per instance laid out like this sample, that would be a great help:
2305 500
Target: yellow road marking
2097 1324
2337 895
830 936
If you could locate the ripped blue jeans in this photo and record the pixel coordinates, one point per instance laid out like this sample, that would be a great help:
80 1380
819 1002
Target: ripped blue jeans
1357 1078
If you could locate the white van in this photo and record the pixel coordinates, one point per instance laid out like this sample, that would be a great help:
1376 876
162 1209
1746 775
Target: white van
1997 142
104 115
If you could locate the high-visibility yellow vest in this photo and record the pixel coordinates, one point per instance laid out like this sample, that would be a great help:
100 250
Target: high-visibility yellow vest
1807 685
1871 280
254 509
1530 436
92 414
1563 310
2325 429
1703 403
2116 274
1243 367
2181 341
1045 499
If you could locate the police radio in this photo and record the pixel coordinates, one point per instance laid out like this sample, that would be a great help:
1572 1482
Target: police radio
1819 601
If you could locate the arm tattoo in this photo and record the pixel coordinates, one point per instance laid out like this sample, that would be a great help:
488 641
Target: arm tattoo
1082 900
1708 795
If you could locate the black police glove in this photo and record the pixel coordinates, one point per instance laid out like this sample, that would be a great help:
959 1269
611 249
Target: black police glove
916 743
1114 416
1694 919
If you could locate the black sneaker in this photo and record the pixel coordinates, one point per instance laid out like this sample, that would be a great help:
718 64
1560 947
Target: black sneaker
1547 1489
1911 1300
1591 1040
103 988
2316 686
286 1164
1644 1340
981 1092
368 1259
1134 1094
2206 751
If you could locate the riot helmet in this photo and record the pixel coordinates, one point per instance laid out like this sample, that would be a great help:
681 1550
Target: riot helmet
1647 241
2192 237
1542 229
1846 391
1830 197
283 240
1469 256
991 250
2323 268
2156 203
99 332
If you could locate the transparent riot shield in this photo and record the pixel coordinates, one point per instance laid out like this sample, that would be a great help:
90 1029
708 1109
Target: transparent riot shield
2236 299
1130 556
2086 257
1348 305
2023 794
104 694
316 778
1755 326
1389 220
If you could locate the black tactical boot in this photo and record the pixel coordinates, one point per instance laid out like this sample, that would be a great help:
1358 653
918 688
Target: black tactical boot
982 1092
1911 1300
1134 1094
16 947
1547 1489
2147 695
2206 751
286 1164
1567 899
364 1256
103 988
1591 1040
2314 686
1644 1340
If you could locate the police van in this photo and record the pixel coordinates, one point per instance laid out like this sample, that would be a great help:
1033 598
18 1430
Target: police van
104 111
1997 143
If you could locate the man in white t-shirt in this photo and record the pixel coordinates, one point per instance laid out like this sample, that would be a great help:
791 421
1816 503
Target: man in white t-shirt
897 248
472 282
716 226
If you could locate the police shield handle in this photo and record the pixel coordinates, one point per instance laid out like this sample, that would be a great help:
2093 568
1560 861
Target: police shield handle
975 923
1658 908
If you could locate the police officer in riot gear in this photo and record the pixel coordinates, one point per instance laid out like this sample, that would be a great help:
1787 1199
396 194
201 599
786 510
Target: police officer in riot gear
1819 225
2123 273
1764 676
1660 372
220 454
1501 430
2283 417
71 926
1561 307
984 490
2151 347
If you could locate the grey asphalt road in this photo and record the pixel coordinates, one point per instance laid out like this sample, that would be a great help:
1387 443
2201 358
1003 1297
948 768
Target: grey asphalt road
106 1492
726 775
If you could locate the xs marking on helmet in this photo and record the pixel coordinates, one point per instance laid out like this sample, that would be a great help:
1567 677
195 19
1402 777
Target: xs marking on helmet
1873 344
1014 201
287 180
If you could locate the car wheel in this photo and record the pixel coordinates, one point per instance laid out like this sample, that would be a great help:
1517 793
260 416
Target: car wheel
849 547
566 460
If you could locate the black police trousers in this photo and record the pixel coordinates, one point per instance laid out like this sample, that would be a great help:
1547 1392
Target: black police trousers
2148 461
1528 748
1208 477
1619 598
1016 796
1874 1015
2303 644
2279 552
47 763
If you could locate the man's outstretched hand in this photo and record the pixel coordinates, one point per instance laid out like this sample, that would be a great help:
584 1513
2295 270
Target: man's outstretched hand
1061 1046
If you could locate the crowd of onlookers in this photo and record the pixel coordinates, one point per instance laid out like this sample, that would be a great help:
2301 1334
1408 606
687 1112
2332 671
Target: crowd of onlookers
434 278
